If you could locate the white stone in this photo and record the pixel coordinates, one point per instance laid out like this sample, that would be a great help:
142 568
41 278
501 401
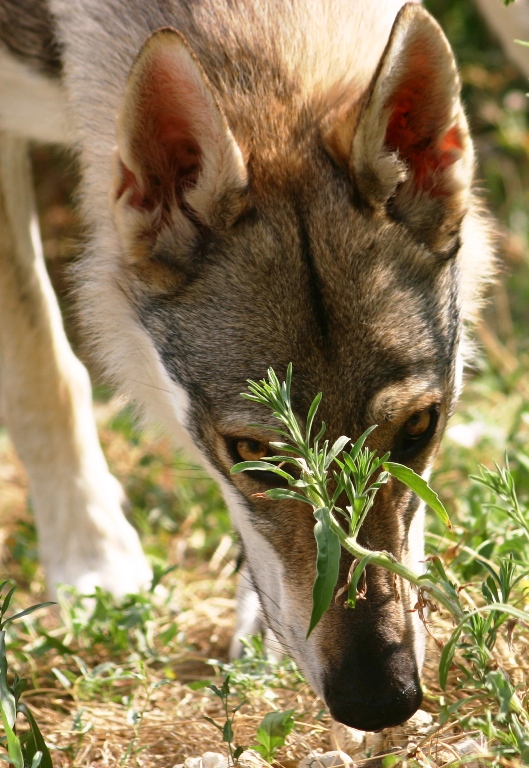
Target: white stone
375 742
252 759
334 759
467 747
419 724
349 740
214 760
193 762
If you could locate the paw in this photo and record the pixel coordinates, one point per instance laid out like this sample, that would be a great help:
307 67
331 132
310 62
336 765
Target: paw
94 545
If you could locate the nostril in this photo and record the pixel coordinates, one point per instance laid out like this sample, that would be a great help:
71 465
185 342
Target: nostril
373 710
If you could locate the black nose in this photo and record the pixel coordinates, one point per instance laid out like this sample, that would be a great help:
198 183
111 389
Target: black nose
368 713
371 696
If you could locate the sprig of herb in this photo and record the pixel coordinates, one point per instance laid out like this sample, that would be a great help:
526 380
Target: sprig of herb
360 473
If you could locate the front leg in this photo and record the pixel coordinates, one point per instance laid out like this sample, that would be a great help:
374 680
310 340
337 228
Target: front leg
46 399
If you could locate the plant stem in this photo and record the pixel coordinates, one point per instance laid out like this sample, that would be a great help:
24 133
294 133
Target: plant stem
390 563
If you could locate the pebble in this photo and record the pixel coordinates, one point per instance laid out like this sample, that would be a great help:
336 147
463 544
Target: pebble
252 759
334 759
464 749
249 759
214 760
193 762
349 740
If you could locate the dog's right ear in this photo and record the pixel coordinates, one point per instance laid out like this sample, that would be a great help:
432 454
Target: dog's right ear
406 143
176 157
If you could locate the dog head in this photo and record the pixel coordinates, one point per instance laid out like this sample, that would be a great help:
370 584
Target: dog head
335 230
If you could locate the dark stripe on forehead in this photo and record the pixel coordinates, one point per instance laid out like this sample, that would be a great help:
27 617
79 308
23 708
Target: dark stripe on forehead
27 31
317 300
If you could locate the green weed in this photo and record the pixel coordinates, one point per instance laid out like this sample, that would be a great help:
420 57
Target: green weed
28 750
226 729
272 733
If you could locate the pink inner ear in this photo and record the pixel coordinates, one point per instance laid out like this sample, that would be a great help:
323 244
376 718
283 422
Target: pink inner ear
128 182
164 136
417 112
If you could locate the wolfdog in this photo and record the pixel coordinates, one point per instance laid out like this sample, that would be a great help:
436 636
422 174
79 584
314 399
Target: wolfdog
263 182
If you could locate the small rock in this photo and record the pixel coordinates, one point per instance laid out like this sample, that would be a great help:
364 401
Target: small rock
375 742
419 724
251 759
467 747
334 759
349 740
193 762
214 760
446 754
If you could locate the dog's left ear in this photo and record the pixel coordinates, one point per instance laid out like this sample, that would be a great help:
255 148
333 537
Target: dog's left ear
407 142
176 156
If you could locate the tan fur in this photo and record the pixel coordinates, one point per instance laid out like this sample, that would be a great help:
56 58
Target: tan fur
46 402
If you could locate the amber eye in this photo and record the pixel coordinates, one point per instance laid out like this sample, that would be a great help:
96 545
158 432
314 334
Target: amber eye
418 424
250 450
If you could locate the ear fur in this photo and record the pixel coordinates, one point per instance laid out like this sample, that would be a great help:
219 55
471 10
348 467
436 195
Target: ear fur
409 147
176 157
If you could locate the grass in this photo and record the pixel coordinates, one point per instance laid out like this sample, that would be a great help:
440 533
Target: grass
128 685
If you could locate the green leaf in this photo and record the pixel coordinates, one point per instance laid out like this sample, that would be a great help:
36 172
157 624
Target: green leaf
327 566
357 573
447 656
288 380
216 691
337 448
62 678
19 686
5 604
48 641
27 611
227 732
272 732
278 494
210 720
312 413
241 704
198 685
357 447
282 446
13 742
261 466
36 744
320 434
419 486
436 563
391 760
225 687
7 699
